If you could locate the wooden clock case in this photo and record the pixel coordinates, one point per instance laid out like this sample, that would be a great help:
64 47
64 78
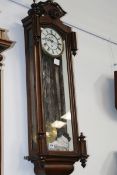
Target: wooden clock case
48 14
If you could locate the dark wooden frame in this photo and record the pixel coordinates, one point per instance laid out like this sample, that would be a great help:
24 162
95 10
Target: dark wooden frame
48 14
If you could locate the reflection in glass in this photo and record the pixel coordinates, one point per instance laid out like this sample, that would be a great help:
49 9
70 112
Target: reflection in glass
56 103
32 93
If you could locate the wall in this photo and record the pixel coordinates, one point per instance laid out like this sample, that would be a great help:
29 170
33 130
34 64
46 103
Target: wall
93 71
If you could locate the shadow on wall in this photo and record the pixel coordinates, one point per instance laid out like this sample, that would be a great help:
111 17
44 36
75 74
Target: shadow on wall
110 165
105 96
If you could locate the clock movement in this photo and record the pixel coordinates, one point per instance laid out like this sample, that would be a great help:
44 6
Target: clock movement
54 142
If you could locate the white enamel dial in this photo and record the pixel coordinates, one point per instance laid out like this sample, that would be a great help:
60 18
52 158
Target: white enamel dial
51 42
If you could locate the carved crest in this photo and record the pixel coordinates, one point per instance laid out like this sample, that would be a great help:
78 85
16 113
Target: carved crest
47 8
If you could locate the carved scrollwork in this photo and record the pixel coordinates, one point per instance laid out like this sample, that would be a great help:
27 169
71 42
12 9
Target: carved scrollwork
48 8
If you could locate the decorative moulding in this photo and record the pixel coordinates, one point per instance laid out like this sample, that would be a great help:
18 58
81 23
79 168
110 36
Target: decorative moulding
5 43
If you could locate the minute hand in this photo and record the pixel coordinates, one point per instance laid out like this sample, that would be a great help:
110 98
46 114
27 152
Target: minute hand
48 39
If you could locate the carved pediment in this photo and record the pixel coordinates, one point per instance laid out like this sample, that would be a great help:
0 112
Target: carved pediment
47 8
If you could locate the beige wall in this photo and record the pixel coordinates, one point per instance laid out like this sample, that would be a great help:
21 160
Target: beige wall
93 70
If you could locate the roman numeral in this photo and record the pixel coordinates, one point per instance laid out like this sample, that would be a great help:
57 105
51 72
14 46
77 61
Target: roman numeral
43 38
59 44
53 51
48 48
58 48
45 44
47 31
43 34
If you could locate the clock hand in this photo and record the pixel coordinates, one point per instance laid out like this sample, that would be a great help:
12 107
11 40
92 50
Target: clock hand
52 41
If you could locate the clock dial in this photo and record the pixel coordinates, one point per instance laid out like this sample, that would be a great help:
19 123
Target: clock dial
51 42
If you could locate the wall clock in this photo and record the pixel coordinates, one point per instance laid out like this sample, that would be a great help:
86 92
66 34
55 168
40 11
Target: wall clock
54 142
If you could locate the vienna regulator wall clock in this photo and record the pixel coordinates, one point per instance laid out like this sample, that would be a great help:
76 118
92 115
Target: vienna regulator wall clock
54 142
